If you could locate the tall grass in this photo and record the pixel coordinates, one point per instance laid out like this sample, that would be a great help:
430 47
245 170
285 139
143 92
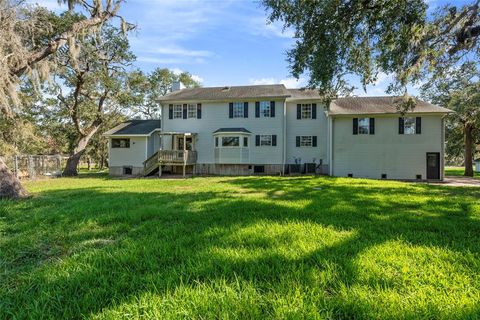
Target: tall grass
240 248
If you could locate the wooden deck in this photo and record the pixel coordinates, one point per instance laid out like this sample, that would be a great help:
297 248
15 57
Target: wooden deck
169 158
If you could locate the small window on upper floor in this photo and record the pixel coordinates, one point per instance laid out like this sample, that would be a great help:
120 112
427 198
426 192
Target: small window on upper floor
177 111
410 125
120 143
238 109
306 111
265 109
192 111
363 125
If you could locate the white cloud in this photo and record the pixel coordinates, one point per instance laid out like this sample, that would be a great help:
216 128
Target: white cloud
290 83
181 52
262 81
197 78
259 26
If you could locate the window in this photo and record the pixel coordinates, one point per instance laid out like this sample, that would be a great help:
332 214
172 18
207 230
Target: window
306 141
306 111
409 126
216 142
245 141
230 141
127 171
265 109
120 143
192 111
364 126
265 140
177 111
238 110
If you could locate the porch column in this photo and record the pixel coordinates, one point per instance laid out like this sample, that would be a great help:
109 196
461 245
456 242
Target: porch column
184 153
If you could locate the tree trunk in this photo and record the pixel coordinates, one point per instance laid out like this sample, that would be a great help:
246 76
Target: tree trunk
10 186
74 159
468 138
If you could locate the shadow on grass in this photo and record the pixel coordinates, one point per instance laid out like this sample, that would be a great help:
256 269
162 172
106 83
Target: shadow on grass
81 251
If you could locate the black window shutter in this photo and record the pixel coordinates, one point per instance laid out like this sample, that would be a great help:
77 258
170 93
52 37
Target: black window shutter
257 109
184 111
274 140
199 111
372 126
170 111
314 141
299 112
355 125
272 109
230 110
418 125
257 140
297 141
401 125
314 111
245 109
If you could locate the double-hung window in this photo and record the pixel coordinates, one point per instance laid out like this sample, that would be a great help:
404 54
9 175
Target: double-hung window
306 111
265 109
238 109
192 111
306 141
266 140
177 111
363 125
409 125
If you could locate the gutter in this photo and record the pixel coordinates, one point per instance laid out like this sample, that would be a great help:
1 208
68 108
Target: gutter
284 152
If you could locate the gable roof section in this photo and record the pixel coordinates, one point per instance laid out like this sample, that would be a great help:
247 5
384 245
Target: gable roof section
378 105
135 128
227 93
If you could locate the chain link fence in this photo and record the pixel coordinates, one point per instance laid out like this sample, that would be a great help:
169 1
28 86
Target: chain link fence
34 166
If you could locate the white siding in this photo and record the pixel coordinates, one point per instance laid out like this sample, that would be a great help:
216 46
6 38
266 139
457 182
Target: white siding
306 127
215 116
133 156
386 152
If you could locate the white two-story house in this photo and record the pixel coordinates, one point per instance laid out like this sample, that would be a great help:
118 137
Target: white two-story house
269 129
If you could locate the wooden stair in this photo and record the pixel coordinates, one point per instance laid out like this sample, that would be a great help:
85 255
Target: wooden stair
151 164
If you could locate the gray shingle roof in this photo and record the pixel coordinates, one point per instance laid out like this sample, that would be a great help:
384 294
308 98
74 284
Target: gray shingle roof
134 127
304 94
226 93
378 105
231 130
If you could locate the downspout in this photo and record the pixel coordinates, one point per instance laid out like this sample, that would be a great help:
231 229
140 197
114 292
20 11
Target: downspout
284 154
330 145
442 157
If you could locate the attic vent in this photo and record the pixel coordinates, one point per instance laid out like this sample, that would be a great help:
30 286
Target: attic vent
225 88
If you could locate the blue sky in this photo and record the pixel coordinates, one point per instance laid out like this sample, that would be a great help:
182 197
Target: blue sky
220 42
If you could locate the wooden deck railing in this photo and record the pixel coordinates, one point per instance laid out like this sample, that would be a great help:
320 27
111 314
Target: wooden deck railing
177 156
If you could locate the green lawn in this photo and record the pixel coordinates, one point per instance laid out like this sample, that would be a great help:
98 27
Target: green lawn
240 248
459 171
